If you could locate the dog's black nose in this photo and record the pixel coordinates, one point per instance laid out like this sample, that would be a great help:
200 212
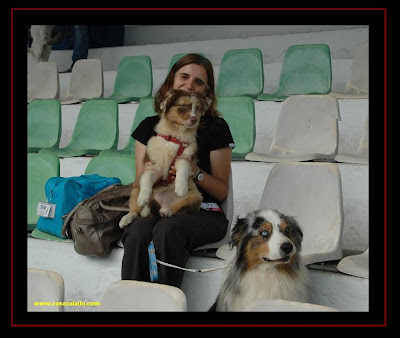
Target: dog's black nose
287 248
193 120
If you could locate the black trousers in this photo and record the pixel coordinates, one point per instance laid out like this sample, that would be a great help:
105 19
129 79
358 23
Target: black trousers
174 238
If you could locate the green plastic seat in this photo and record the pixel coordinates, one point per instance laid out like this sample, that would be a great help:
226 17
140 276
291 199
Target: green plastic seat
134 79
176 57
44 124
96 129
306 69
144 110
239 113
40 168
241 73
113 166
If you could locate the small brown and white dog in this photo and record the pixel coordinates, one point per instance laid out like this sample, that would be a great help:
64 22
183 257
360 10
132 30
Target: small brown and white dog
267 262
175 142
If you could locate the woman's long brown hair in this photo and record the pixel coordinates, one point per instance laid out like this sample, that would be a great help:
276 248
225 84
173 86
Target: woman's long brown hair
169 81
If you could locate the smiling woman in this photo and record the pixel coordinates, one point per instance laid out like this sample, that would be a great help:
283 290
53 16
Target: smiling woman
175 237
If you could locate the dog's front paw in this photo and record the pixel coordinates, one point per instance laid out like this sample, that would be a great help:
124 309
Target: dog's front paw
145 211
127 219
144 197
181 189
165 212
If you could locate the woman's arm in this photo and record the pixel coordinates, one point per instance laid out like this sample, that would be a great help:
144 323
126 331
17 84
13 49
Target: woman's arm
217 183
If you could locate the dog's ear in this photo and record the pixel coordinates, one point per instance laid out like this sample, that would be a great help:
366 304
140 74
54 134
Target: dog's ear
208 103
238 231
164 105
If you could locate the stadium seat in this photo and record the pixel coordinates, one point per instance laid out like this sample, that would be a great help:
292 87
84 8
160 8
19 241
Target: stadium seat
362 153
227 206
306 69
134 79
86 81
44 124
113 166
241 73
358 84
43 81
144 110
280 305
176 57
131 295
307 129
45 286
312 194
40 168
96 129
239 113
355 265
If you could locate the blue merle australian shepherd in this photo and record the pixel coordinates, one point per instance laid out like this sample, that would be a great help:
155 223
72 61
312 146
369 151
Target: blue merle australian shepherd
267 262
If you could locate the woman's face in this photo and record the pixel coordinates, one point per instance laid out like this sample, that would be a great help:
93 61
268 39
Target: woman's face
192 78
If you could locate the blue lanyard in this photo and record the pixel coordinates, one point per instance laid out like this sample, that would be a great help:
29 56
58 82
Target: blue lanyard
153 263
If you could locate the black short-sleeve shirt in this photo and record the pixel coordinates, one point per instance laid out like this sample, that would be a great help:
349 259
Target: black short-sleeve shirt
213 134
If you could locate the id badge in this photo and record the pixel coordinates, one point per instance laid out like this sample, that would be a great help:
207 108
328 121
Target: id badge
46 210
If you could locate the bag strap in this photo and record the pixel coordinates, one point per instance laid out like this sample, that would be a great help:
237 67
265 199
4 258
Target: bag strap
111 208
69 216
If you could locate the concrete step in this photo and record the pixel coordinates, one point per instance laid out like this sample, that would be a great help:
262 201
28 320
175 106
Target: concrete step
86 278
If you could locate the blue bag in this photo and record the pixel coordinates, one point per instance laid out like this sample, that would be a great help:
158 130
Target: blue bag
66 193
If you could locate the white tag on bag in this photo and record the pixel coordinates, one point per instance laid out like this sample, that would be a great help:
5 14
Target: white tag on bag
46 210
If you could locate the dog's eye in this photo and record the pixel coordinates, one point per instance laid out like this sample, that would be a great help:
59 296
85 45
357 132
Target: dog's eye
264 233
287 231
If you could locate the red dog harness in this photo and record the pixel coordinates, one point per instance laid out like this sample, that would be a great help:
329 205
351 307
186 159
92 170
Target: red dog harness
182 146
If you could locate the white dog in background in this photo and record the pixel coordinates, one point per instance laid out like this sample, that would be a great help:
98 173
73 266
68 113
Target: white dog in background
43 37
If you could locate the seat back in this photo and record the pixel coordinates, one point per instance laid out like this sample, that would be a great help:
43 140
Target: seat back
40 168
241 73
228 207
44 124
359 73
280 305
86 81
113 166
239 113
45 286
96 127
307 124
43 81
131 295
312 194
306 69
134 79
144 110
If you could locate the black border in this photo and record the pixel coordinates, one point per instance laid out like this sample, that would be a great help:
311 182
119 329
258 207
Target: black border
375 18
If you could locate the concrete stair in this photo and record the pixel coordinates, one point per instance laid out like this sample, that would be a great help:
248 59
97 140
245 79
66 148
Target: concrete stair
330 287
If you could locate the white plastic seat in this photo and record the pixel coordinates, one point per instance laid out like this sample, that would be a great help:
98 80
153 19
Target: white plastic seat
43 81
45 286
227 207
356 265
358 84
307 129
312 194
130 295
86 81
280 305
362 153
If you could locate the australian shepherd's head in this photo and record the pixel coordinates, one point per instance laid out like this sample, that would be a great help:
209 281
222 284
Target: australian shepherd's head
268 238
267 262
183 108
